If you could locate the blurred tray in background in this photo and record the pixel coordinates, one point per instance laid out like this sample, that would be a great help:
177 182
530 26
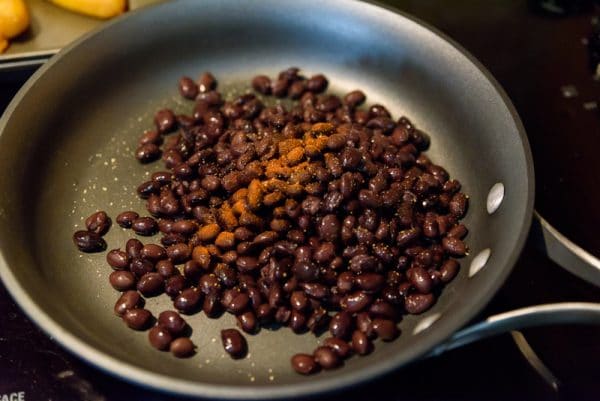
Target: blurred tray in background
51 29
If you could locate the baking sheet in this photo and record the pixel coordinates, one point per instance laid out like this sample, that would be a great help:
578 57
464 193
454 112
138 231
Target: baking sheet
51 29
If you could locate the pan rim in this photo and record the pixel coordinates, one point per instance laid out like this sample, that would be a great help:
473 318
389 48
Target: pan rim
168 384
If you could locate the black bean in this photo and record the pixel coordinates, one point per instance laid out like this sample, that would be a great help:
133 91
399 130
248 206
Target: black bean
356 301
153 252
370 282
98 223
385 329
128 300
340 325
122 280
262 84
188 88
188 300
361 343
166 268
117 259
160 338
151 284
165 121
383 309
297 321
145 226
448 270
182 347
454 246
174 285
315 290
362 263
458 231
305 271
327 358
354 98
139 266
137 319
233 343
418 303
173 322
126 219
147 153
212 305
458 205
247 322
317 83
87 241
238 304
206 82
246 263
179 253
340 347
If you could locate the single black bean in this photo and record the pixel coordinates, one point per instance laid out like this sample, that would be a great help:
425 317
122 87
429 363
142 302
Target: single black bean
340 347
420 279
128 300
212 305
363 263
173 322
459 204
238 304
317 83
145 226
454 246
233 343
153 252
166 268
98 223
315 290
122 280
126 219
137 319
165 121
117 259
297 321
383 309
327 358
160 338
179 253
418 303
361 343
188 88
385 329
448 270
354 98
304 364
247 322
87 241
188 300
147 153
246 263
139 266
356 301
206 82
341 325
370 282
174 285
262 84
458 231
151 284
182 347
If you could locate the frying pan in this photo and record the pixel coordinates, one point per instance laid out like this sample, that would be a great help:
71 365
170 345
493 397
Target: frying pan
66 150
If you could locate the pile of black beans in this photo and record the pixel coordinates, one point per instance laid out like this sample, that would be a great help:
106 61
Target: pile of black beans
325 215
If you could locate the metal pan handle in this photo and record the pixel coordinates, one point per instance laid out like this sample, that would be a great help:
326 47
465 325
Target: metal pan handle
564 252
532 316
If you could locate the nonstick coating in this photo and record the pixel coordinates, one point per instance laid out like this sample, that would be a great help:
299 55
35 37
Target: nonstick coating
66 151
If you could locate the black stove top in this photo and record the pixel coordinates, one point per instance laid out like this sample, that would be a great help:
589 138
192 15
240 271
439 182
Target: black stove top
540 52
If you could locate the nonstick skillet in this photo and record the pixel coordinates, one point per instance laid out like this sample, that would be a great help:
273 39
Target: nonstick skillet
66 148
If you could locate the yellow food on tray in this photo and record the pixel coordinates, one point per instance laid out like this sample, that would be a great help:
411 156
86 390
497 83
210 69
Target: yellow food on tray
94 8
14 20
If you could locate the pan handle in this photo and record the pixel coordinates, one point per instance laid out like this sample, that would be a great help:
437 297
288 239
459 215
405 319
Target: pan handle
563 251
532 316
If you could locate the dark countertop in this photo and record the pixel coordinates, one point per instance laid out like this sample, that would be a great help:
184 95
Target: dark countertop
532 56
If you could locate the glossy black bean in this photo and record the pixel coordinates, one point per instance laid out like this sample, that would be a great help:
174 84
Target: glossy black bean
454 246
188 88
128 300
188 300
139 266
341 325
147 153
98 223
356 301
361 343
174 285
117 259
173 322
182 347
137 319
418 303
125 219
153 252
304 364
145 226
151 284
87 241
247 322
122 280
234 343
386 329
370 282
160 338
327 358
448 270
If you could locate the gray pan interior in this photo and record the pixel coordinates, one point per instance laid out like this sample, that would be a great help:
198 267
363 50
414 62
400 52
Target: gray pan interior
66 150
